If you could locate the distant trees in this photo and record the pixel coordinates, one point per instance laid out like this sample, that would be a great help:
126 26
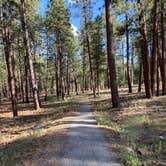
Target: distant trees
98 51
59 29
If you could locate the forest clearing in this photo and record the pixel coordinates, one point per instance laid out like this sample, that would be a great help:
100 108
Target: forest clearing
82 83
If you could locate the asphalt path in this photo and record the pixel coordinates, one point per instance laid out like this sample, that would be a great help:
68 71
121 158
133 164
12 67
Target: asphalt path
86 145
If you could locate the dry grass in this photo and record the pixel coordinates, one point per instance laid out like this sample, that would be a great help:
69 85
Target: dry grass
137 131
22 137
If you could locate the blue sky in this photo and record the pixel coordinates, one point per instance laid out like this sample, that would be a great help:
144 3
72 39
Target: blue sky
75 19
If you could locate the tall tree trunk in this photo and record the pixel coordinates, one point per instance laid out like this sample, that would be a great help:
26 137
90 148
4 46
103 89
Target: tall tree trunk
83 70
123 63
132 65
6 35
158 80
98 81
154 49
108 77
163 49
62 86
29 55
26 78
21 75
58 66
159 63
128 55
144 52
68 75
111 55
76 85
90 60
46 78
61 74
57 76
140 75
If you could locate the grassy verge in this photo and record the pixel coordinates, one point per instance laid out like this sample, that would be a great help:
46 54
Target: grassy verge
138 133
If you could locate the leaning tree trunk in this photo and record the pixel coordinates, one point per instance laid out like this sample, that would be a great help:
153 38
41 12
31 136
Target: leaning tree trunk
111 55
154 67
29 55
8 57
144 52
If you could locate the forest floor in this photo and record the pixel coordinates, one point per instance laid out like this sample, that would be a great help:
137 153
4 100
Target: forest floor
136 132
22 137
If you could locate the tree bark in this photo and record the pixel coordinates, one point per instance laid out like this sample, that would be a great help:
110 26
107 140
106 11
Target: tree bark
76 85
140 75
132 65
163 49
111 55
6 35
128 55
154 67
29 55
83 70
26 78
90 60
68 75
46 78
21 76
144 52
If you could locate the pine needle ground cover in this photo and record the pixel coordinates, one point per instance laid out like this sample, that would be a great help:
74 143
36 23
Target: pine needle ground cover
21 138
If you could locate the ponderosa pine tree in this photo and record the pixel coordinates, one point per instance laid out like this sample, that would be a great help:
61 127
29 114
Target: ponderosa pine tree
144 50
86 14
27 45
163 62
9 57
128 50
59 27
98 52
154 67
111 55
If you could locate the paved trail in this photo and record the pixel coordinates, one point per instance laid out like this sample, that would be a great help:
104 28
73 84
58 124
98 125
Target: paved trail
86 145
